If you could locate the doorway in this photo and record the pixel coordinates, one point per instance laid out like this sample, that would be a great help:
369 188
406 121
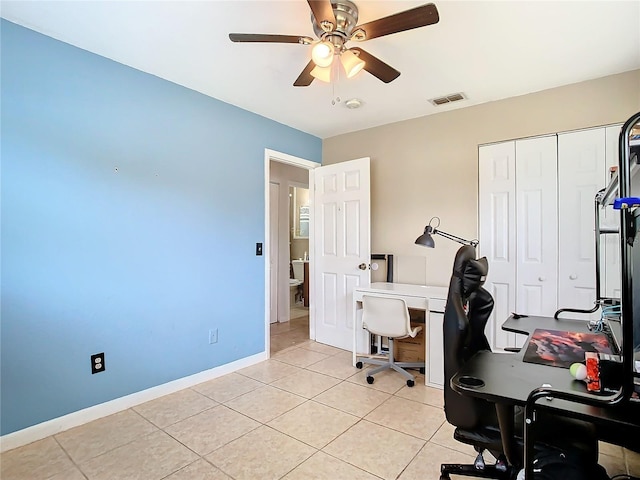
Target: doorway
287 177
298 239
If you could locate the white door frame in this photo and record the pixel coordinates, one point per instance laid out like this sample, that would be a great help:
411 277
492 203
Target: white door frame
273 155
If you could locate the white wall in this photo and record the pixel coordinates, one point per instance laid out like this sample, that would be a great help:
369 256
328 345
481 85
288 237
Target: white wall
428 166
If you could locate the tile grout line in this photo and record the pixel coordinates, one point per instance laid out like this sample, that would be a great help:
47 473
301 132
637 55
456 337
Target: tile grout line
73 462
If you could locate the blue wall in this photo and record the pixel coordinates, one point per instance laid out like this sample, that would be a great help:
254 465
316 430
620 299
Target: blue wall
131 208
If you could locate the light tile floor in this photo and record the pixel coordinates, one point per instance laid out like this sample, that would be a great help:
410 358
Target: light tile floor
304 414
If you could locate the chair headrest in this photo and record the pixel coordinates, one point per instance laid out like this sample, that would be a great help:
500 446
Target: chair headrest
470 272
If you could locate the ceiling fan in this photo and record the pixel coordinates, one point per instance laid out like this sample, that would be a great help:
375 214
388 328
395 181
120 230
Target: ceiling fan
335 22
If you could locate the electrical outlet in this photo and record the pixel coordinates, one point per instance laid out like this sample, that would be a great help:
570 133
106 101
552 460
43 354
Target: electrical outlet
97 363
213 335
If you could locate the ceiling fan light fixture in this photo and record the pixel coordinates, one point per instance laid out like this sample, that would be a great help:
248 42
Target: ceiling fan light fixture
359 35
322 53
322 73
351 62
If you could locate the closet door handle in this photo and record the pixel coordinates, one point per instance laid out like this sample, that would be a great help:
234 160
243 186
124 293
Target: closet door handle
542 279
573 276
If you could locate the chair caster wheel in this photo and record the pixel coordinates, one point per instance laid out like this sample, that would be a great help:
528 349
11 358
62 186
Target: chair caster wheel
501 464
445 477
422 370
358 364
370 379
410 383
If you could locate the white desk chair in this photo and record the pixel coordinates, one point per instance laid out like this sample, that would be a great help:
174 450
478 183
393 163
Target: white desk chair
388 317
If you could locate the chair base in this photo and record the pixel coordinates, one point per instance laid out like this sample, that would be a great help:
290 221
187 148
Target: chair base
389 363
490 471
500 471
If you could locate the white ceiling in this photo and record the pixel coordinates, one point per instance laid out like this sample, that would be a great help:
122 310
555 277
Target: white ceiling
487 50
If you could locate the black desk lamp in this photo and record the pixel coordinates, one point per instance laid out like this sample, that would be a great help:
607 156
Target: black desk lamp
426 240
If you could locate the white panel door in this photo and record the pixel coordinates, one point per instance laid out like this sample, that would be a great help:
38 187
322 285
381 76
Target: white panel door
497 232
610 271
342 247
581 174
537 226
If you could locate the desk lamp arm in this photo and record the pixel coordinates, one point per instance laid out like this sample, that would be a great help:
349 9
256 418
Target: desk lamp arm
426 239
473 243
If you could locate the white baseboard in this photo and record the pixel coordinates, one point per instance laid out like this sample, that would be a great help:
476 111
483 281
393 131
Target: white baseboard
60 424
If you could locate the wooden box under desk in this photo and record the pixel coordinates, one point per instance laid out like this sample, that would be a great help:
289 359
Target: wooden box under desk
412 349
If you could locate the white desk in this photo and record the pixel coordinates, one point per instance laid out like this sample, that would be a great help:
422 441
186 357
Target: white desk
430 299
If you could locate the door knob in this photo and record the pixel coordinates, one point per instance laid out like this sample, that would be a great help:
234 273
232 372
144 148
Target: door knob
542 279
573 276
362 266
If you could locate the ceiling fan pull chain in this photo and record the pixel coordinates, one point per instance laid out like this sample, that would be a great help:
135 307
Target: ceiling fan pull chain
336 98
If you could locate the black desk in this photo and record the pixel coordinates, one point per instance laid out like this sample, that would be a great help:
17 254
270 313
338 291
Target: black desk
508 381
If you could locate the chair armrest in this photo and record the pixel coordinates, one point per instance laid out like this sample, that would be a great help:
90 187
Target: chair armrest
415 331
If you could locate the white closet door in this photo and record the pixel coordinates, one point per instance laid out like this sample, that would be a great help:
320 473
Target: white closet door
497 217
537 225
610 272
581 173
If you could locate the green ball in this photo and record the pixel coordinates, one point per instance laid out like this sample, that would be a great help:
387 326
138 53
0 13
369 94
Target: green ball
574 368
578 371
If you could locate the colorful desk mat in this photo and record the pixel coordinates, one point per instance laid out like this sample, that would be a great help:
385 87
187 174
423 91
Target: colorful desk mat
560 349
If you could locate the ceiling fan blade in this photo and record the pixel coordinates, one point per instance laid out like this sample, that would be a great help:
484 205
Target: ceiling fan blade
323 13
399 22
376 67
305 78
266 38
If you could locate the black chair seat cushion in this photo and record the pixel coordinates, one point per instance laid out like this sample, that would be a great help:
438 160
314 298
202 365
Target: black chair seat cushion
486 437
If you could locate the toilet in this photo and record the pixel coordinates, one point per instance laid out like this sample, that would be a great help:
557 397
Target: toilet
298 270
295 283
294 287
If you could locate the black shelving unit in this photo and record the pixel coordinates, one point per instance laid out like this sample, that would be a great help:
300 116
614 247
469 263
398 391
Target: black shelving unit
629 255
625 399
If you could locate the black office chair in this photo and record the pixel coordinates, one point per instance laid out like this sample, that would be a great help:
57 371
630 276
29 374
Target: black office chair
466 314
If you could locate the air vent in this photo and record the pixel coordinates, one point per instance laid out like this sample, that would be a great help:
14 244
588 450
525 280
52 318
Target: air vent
454 97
